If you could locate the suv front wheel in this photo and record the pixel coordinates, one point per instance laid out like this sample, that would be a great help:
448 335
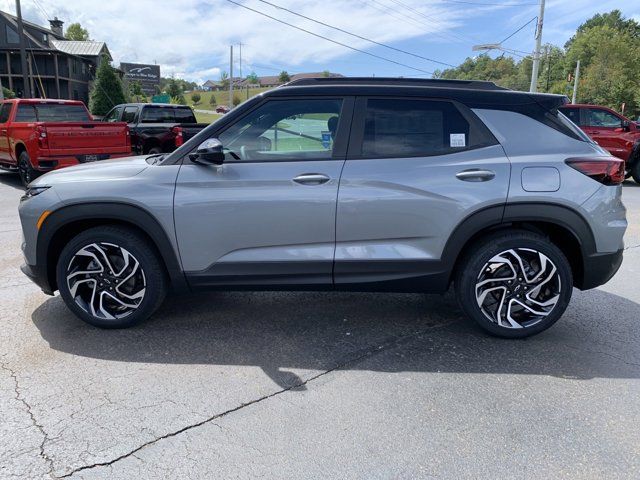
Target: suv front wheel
514 284
110 277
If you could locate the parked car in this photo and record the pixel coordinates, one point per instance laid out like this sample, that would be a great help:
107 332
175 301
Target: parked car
37 136
612 131
156 127
376 185
222 109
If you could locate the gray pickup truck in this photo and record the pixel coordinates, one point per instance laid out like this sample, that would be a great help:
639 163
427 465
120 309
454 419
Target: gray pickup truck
156 127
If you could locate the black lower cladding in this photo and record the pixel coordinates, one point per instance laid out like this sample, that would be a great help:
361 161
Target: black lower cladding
599 268
38 275
361 276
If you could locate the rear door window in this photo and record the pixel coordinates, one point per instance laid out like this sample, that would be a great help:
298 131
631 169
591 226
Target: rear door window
129 114
5 111
409 127
26 113
572 114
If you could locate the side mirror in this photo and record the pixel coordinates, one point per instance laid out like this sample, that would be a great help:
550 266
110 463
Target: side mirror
209 152
626 126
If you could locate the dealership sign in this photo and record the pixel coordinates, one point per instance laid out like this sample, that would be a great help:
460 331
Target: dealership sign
147 75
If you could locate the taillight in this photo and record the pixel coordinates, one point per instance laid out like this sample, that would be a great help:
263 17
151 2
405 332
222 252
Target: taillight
179 137
127 141
43 140
606 170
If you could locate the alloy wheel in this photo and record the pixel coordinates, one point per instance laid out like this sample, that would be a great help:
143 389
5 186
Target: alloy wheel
518 288
106 281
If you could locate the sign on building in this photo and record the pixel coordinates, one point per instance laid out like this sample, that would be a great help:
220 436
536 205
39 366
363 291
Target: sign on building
147 75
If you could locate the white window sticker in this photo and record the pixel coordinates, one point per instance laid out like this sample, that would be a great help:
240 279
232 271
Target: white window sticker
457 140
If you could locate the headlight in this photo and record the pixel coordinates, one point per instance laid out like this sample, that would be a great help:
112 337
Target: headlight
33 191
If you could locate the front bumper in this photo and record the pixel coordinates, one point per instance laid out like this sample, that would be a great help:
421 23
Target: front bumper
599 268
37 275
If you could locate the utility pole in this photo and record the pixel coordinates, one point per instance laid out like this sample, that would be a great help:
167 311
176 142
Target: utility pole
231 78
240 55
26 90
536 54
575 83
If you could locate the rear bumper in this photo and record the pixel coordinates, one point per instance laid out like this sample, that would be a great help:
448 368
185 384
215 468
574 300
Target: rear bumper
599 268
45 164
37 275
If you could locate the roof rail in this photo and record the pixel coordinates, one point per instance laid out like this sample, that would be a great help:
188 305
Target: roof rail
418 82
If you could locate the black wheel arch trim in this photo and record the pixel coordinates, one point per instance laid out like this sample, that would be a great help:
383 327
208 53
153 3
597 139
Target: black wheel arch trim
117 212
500 216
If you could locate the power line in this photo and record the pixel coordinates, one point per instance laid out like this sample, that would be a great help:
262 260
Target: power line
356 35
520 29
328 39
41 8
482 4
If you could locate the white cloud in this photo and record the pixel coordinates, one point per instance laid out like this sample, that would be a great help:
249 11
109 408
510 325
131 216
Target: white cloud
191 38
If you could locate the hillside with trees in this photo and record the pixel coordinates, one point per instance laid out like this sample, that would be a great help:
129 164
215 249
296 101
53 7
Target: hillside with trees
608 47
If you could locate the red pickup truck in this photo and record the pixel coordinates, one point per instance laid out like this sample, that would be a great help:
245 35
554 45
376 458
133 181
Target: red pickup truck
612 131
40 135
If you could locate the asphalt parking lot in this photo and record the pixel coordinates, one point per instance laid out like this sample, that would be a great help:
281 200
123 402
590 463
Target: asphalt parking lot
316 385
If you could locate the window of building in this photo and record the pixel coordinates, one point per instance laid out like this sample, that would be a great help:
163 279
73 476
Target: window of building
76 96
285 130
26 113
5 111
12 35
414 128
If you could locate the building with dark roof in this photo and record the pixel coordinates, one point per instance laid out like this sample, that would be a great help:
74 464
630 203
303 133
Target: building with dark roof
56 68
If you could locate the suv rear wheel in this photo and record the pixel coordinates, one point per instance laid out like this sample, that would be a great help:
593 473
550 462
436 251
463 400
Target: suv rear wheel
109 277
514 284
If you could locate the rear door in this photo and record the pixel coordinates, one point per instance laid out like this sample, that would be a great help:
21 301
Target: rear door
267 215
5 151
415 169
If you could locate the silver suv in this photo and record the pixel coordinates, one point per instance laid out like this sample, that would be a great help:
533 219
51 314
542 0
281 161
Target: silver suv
392 185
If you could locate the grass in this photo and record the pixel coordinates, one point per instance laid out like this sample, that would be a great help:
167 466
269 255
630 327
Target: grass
222 98
207 117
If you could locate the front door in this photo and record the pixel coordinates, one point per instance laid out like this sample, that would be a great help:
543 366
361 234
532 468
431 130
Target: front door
605 128
267 215
416 168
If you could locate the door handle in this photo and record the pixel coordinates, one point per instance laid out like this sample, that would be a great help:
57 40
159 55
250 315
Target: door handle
311 179
475 175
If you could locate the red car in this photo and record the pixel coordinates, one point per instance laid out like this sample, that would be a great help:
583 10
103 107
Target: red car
40 135
222 109
612 131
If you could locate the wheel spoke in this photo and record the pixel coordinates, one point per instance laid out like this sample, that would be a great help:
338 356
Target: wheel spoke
106 280
524 298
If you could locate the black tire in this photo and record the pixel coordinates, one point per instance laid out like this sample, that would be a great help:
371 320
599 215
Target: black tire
150 269
474 269
635 171
27 173
154 150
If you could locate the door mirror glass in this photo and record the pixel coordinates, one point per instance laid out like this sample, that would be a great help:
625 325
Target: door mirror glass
208 152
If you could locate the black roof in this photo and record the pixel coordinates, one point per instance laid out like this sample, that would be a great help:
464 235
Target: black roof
473 93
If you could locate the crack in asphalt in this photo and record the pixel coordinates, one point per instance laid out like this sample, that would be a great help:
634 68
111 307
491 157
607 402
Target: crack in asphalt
354 357
20 398
631 247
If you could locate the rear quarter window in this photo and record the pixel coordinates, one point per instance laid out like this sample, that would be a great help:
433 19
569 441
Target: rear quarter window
408 127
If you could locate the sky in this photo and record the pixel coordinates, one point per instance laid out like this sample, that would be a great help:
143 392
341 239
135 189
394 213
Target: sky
190 38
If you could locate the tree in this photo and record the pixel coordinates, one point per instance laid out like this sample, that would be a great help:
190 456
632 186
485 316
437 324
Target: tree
107 91
284 77
174 90
236 100
195 98
135 89
212 101
76 32
8 93
253 79
224 80
613 19
326 73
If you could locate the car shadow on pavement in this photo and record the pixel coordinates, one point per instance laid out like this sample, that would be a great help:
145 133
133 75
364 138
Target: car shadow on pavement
11 180
596 338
